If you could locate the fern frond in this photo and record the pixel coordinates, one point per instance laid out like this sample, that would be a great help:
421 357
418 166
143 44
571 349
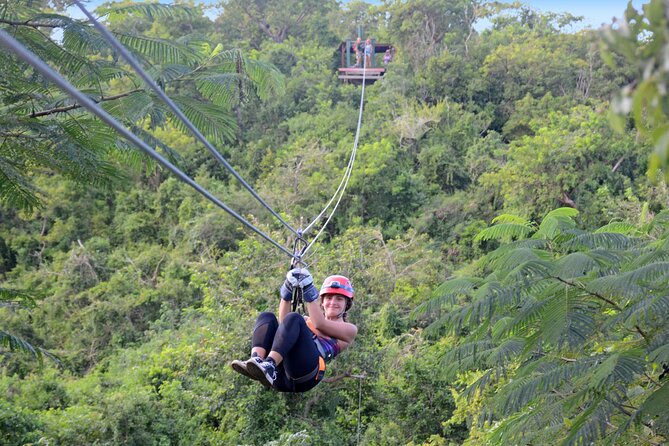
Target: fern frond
651 310
630 284
613 286
482 354
467 356
507 351
655 407
556 222
646 256
18 344
523 427
591 425
81 38
510 218
504 232
220 88
551 227
489 299
618 368
494 256
267 79
562 212
575 264
149 10
478 386
603 240
563 318
648 273
131 108
15 191
658 348
69 63
528 272
445 294
512 259
99 74
129 155
154 49
618 228
165 73
157 144
532 382
214 123
609 260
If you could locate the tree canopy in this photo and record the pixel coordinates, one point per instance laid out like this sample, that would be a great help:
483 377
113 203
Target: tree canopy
507 246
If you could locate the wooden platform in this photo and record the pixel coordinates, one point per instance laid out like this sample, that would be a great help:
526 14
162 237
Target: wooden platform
355 75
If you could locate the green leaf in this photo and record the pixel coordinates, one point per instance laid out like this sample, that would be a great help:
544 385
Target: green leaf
618 228
504 232
150 10
215 124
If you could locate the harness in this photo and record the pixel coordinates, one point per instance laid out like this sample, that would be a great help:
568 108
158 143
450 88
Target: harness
323 356
318 373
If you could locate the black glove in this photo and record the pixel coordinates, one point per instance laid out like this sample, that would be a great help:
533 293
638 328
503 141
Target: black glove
300 278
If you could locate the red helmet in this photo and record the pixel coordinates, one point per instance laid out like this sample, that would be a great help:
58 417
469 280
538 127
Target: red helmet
337 285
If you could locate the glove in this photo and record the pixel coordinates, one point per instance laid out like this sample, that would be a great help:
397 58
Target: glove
300 278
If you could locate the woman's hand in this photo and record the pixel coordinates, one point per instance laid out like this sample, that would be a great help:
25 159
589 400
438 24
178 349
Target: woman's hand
300 278
343 331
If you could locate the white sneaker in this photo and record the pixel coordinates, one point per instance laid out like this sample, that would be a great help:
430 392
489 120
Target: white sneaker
241 367
263 371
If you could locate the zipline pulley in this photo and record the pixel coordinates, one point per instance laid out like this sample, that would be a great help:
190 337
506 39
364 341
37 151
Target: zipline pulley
299 247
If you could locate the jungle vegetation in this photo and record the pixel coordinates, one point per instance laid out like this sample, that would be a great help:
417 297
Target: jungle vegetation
505 225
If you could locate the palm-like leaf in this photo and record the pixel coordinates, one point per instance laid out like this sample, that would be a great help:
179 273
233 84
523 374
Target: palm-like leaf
149 49
504 232
148 9
20 298
556 222
575 322
215 125
603 240
618 227
46 126
446 293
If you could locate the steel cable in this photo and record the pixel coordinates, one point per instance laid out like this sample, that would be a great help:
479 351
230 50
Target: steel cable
349 168
30 58
132 61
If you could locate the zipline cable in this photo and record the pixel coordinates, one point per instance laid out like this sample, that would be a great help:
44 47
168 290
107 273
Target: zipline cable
349 168
132 61
30 58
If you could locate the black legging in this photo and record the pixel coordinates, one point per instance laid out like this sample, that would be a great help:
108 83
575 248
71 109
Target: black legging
293 340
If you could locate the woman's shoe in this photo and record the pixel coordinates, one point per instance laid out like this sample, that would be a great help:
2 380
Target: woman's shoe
263 371
241 367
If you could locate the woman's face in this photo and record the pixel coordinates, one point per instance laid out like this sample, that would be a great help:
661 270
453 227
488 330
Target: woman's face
333 305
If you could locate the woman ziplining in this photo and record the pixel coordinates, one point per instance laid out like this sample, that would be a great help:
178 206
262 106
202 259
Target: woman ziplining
290 354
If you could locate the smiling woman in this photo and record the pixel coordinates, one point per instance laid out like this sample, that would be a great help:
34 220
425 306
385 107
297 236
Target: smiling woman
289 354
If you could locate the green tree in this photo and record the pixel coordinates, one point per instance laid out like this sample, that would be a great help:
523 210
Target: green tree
567 330
567 157
43 130
640 39
254 22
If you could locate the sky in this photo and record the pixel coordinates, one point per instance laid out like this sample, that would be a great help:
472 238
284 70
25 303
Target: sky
595 12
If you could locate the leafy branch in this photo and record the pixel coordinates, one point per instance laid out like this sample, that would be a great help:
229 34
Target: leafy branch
76 106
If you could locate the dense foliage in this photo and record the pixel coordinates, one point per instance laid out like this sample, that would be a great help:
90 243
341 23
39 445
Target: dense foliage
125 294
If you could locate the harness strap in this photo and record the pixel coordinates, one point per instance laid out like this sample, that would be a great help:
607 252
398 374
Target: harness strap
316 374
